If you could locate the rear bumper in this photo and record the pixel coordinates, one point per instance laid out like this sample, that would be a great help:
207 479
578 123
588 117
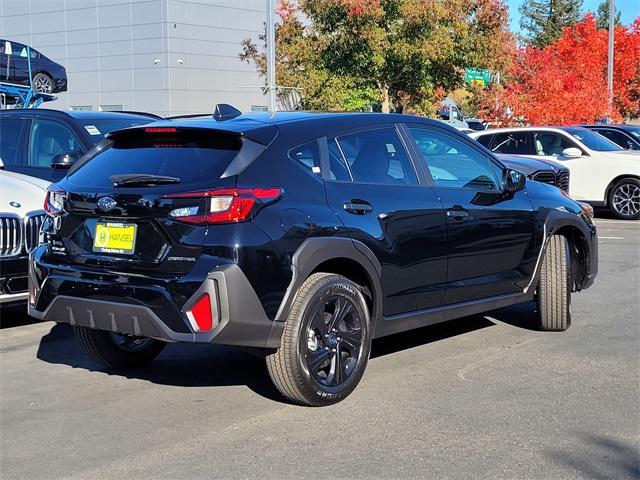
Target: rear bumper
150 310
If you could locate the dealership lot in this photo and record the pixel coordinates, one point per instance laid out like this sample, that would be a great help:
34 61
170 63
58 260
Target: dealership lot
479 397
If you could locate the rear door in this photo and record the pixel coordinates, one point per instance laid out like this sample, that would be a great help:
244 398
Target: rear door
490 244
144 225
373 188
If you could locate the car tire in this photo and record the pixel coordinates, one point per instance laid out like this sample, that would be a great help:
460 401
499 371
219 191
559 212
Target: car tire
326 342
554 287
43 83
106 348
624 199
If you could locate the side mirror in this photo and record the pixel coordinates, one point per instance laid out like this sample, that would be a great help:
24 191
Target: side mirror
64 161
571 152
514 181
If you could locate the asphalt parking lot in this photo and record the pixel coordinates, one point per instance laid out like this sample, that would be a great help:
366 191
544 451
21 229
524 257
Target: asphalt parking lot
479 397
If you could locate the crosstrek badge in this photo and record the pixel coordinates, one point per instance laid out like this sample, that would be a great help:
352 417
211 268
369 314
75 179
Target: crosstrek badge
115 238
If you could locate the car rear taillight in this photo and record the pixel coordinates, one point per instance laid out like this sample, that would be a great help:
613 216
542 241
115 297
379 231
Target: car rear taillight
54 201
200 314
230 205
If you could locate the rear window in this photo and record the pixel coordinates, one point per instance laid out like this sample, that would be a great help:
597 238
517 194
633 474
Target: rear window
194 156
97 128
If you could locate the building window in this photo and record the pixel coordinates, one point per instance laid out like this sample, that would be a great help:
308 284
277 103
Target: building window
81 108
259 108
111 108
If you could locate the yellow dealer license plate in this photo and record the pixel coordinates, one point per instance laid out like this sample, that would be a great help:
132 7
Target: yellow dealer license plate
115 238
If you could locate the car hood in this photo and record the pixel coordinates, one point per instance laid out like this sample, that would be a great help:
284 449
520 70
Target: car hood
527 165
622 154
21 194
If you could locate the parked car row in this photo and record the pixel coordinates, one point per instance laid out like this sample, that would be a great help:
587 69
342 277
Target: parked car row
602 172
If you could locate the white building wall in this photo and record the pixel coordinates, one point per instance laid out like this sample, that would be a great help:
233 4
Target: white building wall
163 56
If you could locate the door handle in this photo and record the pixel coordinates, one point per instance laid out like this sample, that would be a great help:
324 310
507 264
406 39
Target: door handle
357 207
458 214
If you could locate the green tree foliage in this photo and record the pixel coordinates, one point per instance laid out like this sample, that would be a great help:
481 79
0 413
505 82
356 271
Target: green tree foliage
543 20
395 55
602 16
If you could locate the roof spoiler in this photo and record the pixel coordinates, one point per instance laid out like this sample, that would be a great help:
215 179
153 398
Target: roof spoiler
224 111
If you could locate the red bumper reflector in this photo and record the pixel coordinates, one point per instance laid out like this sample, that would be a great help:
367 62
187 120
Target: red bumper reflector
201 314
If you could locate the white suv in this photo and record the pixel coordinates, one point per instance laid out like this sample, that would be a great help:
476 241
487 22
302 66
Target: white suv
21 214
602 173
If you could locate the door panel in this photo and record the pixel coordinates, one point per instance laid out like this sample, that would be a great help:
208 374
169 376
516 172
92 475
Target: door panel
401 222
490 246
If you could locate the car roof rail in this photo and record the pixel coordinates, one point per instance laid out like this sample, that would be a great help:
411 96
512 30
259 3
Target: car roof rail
224 111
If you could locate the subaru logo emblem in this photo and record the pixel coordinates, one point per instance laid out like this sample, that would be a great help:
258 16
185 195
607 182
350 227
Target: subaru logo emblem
107 203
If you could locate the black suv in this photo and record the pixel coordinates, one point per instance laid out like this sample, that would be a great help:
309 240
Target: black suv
302 235
625 136
44 143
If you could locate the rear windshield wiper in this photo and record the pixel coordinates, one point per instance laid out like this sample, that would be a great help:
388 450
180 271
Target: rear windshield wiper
137 179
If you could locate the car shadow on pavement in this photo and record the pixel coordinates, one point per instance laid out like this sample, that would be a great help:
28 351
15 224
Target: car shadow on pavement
203 365
599 457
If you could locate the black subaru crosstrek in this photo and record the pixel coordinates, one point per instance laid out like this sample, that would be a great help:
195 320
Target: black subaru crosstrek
302 235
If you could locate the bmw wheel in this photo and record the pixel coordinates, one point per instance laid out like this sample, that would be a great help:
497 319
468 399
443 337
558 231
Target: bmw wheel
624 199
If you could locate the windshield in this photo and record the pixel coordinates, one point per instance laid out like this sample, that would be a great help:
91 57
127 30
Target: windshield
592 140
97 128
635 131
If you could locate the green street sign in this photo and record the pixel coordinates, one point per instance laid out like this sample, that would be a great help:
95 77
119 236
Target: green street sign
480 76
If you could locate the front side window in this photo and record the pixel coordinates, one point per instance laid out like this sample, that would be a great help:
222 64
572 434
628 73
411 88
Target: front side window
453 163
374 156
552 143
49 139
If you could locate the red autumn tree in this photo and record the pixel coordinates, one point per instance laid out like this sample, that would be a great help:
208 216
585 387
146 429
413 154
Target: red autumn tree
566 82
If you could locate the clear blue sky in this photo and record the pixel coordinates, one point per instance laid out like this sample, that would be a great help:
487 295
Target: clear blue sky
630 9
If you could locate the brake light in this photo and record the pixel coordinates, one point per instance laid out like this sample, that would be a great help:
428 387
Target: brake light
230 205
54 201
200 314
160 130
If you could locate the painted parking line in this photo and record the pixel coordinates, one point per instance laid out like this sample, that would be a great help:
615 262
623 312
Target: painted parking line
610 238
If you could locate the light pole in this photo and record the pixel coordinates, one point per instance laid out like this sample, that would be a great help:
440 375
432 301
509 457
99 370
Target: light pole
612 15
271 56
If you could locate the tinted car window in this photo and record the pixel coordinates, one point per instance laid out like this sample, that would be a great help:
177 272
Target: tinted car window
307 156
377 156
97 128
49 139
592 139
617 137
192 156
453 163
10 132
338 169
485 140
516 143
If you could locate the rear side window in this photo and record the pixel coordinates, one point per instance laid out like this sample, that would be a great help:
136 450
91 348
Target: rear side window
11 129
516 143
376 156
485 140
194 156
307 156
